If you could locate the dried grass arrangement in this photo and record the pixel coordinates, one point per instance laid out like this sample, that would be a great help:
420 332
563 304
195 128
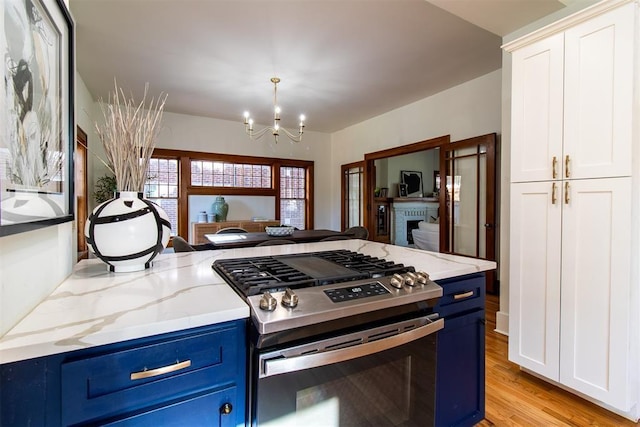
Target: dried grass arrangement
129 136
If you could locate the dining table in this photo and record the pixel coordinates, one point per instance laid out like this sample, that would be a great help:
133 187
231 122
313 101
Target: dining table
243 240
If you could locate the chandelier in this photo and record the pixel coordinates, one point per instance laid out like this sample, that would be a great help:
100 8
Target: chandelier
275 129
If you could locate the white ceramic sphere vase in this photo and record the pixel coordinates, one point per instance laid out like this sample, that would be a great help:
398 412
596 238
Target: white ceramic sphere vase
127 232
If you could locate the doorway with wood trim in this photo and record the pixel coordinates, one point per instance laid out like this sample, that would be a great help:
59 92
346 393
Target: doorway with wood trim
81 191
468 194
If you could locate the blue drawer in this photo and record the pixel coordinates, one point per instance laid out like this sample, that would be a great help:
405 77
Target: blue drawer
109 384
461 295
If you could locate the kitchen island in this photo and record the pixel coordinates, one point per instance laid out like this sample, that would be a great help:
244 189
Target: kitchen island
95 313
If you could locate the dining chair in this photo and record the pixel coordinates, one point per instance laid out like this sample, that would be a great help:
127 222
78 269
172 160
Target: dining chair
181 245
327 239
231 230
358 232
275 242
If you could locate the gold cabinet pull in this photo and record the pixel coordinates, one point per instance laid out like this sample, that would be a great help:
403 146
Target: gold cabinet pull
159 371
567 174
554 167
463 295
553 193
566 193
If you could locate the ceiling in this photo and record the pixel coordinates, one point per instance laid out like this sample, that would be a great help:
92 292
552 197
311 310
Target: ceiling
340 61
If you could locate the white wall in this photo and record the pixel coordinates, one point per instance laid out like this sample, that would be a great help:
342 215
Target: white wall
465 111
33 264
227 137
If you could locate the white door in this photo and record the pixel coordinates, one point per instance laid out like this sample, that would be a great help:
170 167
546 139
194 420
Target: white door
534 318
596 289
536 110
599 77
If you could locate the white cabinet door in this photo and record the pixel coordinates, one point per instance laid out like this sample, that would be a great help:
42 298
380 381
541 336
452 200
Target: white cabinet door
596 290
536 110
534 316
598 95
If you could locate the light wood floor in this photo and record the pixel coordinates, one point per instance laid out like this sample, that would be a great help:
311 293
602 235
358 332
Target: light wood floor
515 398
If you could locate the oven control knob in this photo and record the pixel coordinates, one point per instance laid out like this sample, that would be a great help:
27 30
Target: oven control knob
422 277
410 279
267 302
397 281
289 298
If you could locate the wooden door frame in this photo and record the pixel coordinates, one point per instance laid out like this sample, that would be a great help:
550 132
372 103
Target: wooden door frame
370 176
343 191
82 198
490 141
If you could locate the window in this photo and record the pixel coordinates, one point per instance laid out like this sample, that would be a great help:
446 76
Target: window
293 196
162 187
178 178
207 173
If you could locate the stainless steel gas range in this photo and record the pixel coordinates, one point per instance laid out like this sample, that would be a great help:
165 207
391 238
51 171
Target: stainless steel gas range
338 338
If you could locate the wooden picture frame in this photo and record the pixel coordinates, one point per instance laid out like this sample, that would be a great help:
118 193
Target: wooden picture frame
36 150
402 190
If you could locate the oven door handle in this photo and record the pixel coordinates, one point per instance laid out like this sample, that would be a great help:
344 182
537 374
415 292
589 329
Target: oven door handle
279 366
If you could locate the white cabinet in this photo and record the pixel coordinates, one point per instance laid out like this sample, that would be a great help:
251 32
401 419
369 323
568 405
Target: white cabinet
596 289
572 101
534 307
573 251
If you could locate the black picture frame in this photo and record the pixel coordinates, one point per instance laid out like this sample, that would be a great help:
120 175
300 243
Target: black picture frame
36 157
402 190
413 179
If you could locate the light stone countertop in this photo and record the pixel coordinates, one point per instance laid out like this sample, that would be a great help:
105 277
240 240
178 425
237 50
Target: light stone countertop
95 307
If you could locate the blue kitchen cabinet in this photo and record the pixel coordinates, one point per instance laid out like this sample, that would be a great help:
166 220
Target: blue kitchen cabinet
194 377
460 381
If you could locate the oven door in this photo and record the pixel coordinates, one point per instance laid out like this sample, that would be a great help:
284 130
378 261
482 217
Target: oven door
383 376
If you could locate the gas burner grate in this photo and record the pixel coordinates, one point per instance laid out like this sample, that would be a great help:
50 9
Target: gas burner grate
253 276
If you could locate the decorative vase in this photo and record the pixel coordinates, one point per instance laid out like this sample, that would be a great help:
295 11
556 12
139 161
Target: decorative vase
127 232
25 205
220 208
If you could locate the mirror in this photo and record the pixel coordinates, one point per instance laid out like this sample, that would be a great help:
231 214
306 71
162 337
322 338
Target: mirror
418 171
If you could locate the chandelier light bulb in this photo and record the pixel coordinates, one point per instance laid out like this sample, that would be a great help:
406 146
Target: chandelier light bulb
248 121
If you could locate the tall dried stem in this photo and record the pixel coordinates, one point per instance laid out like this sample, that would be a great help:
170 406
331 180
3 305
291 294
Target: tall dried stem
129 136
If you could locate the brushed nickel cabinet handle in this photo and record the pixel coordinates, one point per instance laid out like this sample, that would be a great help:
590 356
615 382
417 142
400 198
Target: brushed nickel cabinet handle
553 193
159 371
566 193
554 167
567 174
463 295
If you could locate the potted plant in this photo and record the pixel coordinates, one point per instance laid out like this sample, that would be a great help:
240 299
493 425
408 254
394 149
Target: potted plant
127 232
106 187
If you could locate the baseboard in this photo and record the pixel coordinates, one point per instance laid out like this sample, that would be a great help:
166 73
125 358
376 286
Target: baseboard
502 323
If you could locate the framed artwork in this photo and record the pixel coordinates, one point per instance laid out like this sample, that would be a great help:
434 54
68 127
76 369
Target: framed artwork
436 181
37 135
402 190
413 179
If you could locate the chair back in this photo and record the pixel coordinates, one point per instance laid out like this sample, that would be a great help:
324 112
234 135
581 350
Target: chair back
328 239
358 232
181 245
231 230
275 242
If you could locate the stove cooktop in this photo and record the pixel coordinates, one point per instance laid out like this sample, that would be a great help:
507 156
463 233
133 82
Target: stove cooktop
255 275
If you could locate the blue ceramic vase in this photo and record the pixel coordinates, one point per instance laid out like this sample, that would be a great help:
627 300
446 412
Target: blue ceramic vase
220 209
